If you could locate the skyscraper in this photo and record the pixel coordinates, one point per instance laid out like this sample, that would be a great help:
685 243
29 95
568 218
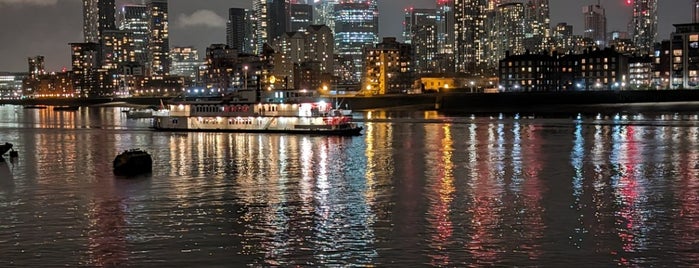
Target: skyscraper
510 31
159 42
278 20
117 46
324 13
235 29
134 19
259 21
595 24
421 28
98 16
356 26
645 24
300 17
538 30
469 32
320 46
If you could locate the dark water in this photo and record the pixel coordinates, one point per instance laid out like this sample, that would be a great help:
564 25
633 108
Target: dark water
416 189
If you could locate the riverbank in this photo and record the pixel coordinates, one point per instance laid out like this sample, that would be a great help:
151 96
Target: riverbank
510 102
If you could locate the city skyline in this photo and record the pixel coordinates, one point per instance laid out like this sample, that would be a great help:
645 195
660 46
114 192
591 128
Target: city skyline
198 25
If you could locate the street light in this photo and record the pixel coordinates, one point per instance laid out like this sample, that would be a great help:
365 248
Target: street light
472 84
245 82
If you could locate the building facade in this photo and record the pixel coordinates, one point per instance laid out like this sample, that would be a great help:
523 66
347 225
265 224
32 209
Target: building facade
186 63
134 20
300 17
236 28
98 16
469 35
538 25
645 24
684 50
529 72
388 68
595 24
421 34
159 41
356 27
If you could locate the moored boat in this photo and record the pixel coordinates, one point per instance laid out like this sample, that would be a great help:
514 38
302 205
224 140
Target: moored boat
305 117
66 108
132 162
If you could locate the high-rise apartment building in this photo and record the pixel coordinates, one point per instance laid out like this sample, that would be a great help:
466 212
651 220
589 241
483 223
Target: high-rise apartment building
563 37
538 25
595 24
645 24
159 41
259 21
98 16
421 33
469 33
510 31
388 68
85 61
117 46
356 26
236 28
36 66
134 20
320 46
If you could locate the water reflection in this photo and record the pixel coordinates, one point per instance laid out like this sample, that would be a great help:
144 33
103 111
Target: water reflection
415 189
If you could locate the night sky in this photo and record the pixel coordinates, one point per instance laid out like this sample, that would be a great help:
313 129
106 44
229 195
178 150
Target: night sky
45 27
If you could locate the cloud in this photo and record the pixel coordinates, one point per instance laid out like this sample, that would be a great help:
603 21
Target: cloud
201 17
28 2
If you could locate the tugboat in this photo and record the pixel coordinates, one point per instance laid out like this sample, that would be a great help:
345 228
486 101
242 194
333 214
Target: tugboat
133 162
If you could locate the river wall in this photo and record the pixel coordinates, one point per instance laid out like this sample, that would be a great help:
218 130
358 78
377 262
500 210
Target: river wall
684 100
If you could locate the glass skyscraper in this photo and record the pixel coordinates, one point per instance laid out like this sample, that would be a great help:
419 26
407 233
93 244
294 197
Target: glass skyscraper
356 26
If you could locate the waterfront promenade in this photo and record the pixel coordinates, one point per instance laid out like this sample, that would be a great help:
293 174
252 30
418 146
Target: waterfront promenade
521 102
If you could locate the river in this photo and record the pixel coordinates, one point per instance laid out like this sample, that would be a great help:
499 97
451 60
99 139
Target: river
416 189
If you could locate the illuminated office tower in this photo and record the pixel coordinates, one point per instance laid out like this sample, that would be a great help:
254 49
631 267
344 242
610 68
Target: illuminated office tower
421 33
300 17
595 24
134 20
186 63
469 33
538 30
356 26
324 13
159 42
98 16
510 31
645 24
